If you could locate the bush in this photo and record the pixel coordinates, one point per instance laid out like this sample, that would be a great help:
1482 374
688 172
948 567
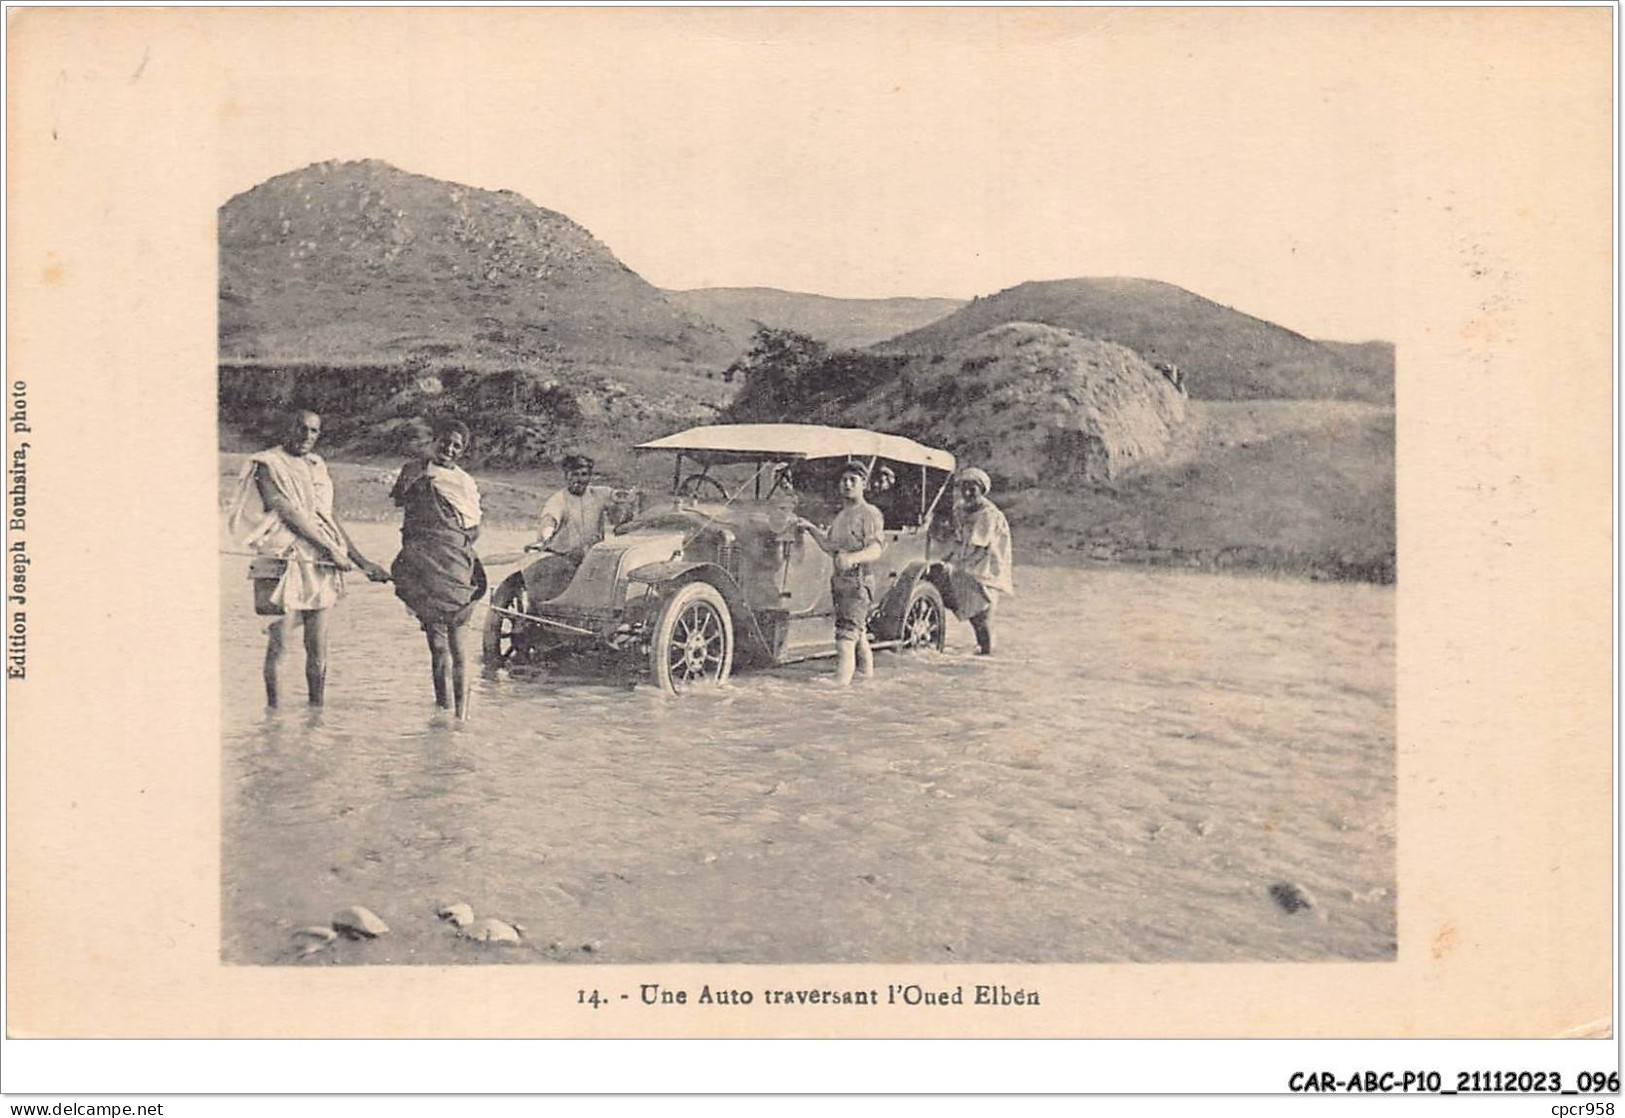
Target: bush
790 378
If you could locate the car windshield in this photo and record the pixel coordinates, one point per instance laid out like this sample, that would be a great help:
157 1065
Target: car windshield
901 491
718 481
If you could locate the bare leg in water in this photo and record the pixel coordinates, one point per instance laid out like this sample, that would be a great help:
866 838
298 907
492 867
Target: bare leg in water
439 664
865 656
276 644
459 669
982 623
448 661
273 657
315 622
845 659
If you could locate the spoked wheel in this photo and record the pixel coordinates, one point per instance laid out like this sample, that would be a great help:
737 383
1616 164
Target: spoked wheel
924 622
509 640
693 643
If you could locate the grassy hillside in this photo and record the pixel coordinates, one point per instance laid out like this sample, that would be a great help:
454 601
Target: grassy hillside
1373 360
1222 353
837 323
520 418
1296 487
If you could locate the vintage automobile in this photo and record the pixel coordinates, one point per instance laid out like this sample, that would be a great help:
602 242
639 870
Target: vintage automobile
718 575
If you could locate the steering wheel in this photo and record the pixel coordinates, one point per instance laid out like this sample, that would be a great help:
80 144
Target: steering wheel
694 485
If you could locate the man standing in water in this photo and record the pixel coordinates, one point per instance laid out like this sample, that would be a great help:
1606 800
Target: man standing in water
283 512
978 561
854 540
437 573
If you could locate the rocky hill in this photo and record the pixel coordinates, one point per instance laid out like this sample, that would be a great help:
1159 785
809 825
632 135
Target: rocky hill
1033 405
1029 403
382 297
1222 353
361 262
837 323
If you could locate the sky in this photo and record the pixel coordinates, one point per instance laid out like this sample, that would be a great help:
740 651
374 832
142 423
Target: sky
1255 157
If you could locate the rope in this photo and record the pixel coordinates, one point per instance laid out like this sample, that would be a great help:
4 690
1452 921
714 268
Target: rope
284 558
500 559
295 559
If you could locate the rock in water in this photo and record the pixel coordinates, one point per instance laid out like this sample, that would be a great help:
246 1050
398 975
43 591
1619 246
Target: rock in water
359 923
1291 897
458 914
490 930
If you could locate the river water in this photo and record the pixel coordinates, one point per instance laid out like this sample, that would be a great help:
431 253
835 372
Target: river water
1149 754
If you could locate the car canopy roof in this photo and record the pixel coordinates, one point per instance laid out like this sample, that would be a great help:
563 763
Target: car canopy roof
799 440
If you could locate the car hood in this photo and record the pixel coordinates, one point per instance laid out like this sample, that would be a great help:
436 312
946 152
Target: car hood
600 581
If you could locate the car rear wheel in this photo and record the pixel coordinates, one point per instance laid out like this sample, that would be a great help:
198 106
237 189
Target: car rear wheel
693 640
924 620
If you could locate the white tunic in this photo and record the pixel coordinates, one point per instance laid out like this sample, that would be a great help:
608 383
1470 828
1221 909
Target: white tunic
304 580
571 524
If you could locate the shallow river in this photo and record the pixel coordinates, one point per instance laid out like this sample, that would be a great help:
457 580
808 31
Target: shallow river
1148 755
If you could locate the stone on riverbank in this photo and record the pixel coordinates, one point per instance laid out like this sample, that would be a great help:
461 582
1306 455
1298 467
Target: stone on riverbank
315 938
459 914
359 923
491 930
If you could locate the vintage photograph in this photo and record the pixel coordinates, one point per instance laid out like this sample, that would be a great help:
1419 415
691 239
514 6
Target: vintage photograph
1015 598
970 523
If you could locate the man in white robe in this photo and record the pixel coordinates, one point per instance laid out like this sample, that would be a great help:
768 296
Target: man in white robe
283 512
978 561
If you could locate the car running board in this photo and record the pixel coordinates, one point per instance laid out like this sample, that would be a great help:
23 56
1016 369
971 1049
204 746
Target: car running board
825 651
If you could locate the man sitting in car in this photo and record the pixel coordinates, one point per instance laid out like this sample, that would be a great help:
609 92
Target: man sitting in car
573 519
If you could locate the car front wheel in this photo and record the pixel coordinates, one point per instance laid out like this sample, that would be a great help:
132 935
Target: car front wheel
693 641
506 639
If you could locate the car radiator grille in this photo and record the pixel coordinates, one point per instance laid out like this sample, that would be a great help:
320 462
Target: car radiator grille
728 558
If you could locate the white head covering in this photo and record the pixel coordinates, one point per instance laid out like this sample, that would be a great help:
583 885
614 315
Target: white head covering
979 476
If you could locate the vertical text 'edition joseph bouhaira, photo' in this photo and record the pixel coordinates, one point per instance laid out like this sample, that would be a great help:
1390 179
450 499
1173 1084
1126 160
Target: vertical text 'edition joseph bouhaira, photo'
16 544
